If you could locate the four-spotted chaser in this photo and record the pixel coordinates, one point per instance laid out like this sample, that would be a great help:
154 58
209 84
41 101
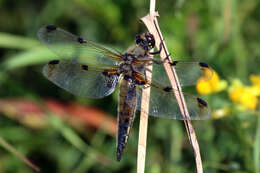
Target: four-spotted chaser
90 70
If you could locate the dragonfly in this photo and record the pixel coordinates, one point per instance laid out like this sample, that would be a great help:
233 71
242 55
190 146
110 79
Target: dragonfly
91 70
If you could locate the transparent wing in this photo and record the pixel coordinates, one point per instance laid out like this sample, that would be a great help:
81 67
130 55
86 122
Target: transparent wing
69 46
163 104
80 80
188 72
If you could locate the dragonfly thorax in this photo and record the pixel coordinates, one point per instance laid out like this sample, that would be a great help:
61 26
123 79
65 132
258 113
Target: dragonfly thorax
125 68
129 57
126 64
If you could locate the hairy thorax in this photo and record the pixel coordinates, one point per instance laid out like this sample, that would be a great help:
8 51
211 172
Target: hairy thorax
134 61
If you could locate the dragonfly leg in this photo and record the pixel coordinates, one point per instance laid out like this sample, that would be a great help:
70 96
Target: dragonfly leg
158 51
146 86
166 58
147 69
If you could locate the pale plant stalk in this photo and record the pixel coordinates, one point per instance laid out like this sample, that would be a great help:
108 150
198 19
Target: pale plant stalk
143 125
151 23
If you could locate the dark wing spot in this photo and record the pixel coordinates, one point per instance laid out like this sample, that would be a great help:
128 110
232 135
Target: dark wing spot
51 28
140 82
52 65
167 89
173 63
84 67
105 73
201 103
80 40
54 62
203 64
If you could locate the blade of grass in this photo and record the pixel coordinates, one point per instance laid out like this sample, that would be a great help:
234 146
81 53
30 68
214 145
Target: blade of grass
17 42
18 154
257 146
30 57
76 141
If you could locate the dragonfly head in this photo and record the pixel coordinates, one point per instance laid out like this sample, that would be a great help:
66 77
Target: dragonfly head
145 40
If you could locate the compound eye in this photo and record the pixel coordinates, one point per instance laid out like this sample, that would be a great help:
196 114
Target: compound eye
151 42
138 41
150 45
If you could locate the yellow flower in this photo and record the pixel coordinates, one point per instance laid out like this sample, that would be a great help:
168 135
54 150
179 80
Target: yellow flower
203 87
255 90
236 94
210 83
255 79
247 96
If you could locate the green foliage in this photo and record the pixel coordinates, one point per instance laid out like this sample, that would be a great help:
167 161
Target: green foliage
223 33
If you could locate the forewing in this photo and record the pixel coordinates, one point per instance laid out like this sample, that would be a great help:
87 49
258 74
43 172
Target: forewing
163 104
69 46
188 72
80 80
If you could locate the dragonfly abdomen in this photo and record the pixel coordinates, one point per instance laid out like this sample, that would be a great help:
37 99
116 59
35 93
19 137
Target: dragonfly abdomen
126 114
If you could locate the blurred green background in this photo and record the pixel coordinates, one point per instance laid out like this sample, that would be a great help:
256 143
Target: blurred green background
60 132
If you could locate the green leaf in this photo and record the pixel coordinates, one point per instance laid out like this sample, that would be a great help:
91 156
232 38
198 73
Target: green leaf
34 56
17 42
257 147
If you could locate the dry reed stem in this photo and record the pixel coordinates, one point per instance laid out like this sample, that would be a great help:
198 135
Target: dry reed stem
151 23
143 125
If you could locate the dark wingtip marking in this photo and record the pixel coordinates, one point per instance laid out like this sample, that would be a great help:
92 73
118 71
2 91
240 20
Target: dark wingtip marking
84 67
105 73
203 64
173 63
141 82
167 89
202 103
51 28
80 40
54 62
